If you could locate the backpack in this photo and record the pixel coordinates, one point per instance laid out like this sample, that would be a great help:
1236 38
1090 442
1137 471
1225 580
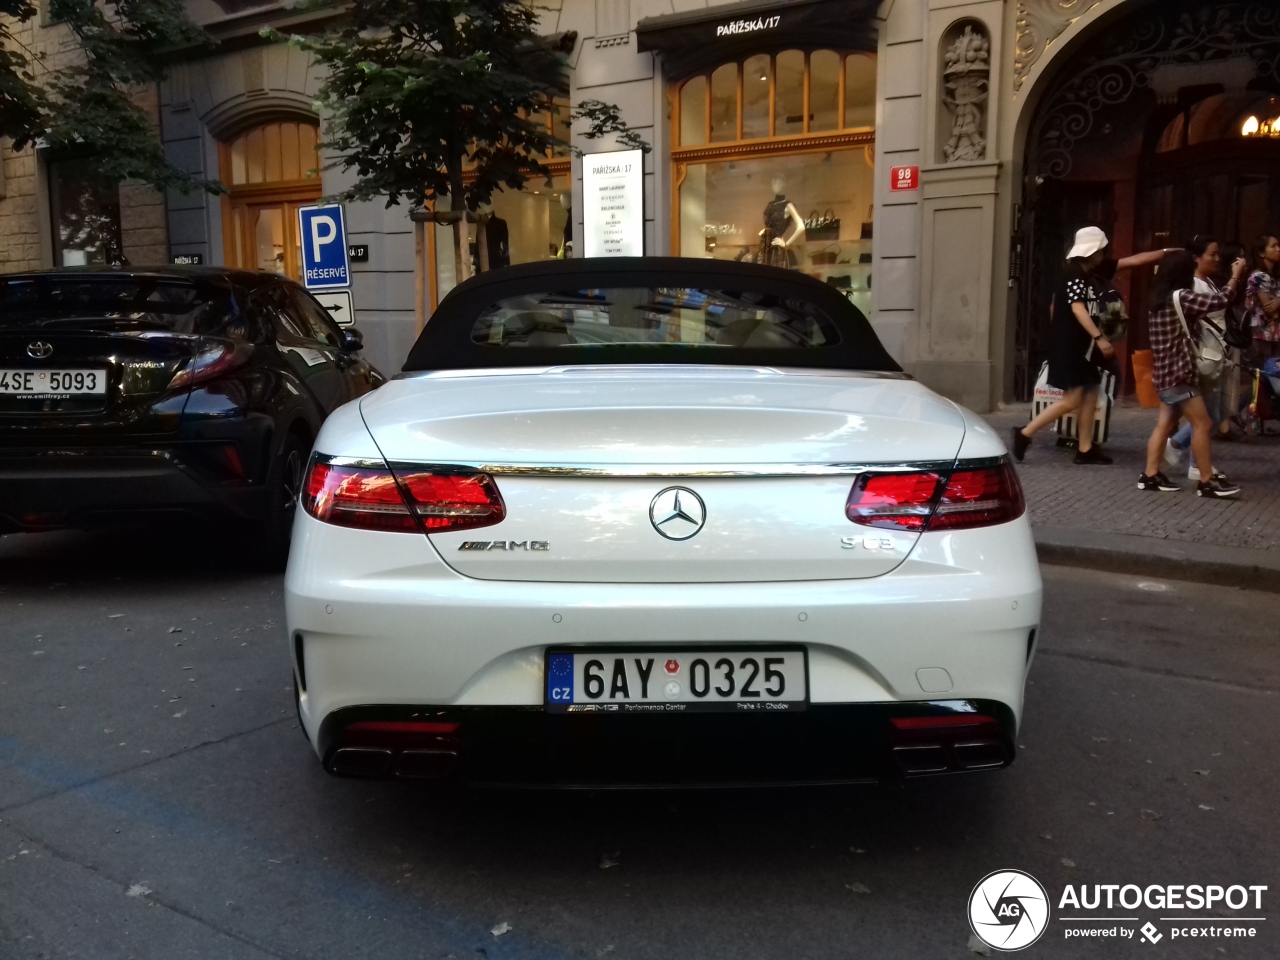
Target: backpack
1209 354
1238 328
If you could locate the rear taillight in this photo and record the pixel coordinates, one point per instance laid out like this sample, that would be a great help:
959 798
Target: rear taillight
967 497
377 499
979 498
213 360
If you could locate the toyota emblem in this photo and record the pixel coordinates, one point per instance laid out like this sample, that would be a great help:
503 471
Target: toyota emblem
39 350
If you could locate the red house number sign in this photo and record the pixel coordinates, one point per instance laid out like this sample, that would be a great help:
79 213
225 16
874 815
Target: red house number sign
904 178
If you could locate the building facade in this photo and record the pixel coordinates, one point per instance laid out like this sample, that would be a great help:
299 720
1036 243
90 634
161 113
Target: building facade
929 158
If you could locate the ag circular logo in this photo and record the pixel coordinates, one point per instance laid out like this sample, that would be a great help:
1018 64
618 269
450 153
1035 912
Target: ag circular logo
1008 910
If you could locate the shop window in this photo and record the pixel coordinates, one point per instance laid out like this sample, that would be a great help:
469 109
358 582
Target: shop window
724 103
787 95
85 210
824 90
755 97
270 171
793 184
532 223
524 226
859 92
693 111
790 98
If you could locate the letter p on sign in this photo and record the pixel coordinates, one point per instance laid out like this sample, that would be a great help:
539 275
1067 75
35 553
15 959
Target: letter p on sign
325 258
323 230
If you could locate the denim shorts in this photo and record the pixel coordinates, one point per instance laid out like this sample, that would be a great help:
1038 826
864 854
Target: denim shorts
1179 394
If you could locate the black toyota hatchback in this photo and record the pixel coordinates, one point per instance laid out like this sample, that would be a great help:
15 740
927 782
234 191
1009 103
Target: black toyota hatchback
189 391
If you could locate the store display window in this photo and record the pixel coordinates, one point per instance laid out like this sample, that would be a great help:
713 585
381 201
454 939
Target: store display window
774 164
85 210
524 226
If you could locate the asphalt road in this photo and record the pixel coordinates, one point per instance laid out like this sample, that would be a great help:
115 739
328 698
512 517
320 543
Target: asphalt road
158 800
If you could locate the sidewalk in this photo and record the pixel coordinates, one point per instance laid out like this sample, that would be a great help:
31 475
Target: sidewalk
1096 516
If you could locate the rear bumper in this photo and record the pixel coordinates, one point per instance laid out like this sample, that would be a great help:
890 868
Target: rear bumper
513 746
79 486
378 623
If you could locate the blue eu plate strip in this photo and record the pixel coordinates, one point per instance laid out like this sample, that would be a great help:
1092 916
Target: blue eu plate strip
560 678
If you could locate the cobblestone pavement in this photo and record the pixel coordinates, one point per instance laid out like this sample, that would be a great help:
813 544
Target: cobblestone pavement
1106 499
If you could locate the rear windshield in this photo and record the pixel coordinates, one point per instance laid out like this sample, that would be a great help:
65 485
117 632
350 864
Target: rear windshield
141 303
654 317
646 310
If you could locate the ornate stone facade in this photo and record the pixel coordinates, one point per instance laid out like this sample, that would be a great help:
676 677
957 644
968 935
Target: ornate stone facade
966 77
1039 23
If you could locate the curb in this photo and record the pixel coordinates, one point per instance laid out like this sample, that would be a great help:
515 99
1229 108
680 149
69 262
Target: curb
1148 556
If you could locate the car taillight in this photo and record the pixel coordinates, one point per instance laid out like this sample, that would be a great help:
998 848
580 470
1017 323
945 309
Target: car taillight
979 498
213 360
937 500
894 501
377 499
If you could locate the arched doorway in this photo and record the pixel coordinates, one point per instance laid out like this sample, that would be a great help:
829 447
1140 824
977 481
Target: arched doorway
270 171
1141 130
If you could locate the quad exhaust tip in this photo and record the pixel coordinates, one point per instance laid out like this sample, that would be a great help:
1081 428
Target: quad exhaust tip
377 762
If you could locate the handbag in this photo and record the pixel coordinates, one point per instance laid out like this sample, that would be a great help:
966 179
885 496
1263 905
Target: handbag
1111 315
825 227
1239 328
825 257
1210 353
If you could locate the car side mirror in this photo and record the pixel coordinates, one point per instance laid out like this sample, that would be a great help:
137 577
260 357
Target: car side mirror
352 340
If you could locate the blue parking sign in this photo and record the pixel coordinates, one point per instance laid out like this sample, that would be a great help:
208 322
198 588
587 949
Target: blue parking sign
323 237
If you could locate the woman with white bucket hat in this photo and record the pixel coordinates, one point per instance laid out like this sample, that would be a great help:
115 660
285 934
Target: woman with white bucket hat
1076 345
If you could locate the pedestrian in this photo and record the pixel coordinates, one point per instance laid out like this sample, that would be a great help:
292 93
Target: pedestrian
1206 252
1262 300
1077 348
1176 314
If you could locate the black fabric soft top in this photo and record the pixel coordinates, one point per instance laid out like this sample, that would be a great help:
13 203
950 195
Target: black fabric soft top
446 341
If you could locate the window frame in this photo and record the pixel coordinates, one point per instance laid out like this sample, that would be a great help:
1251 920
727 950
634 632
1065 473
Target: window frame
775 144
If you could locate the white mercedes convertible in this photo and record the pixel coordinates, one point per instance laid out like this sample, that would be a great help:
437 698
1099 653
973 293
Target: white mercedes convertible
658 522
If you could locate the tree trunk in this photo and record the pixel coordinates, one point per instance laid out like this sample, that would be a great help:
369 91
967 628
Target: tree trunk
457 202
482 242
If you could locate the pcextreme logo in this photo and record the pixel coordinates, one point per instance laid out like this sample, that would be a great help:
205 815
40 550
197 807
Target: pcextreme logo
1009 911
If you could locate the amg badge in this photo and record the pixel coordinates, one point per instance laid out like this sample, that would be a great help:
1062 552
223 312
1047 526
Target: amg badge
540 545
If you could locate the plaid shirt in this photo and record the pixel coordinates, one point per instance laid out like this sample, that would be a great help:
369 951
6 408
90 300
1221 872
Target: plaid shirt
1264 327
1174 365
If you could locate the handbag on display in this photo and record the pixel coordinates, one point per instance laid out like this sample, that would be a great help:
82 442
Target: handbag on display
825 257
825 227
1210 352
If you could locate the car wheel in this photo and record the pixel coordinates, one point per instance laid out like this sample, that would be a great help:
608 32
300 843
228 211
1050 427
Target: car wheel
284 483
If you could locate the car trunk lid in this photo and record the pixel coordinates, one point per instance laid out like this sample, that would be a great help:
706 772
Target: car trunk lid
596 466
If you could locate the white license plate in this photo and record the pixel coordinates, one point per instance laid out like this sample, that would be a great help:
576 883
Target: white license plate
42 383
744 680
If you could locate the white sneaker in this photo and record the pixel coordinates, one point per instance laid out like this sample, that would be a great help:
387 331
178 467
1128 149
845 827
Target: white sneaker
1171 453
1194 473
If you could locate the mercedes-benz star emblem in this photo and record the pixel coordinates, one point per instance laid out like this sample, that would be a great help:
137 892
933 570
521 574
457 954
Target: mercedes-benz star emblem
677 513
39 349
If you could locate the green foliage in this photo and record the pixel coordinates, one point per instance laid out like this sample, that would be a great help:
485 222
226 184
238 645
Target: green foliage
91 108
417 91
22 102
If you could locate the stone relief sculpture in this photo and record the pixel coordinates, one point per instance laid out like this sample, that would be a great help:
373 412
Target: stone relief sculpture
1039 23
966 85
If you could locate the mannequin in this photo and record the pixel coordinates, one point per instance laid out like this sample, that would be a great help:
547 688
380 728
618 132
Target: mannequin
496 238
783 227
566 248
